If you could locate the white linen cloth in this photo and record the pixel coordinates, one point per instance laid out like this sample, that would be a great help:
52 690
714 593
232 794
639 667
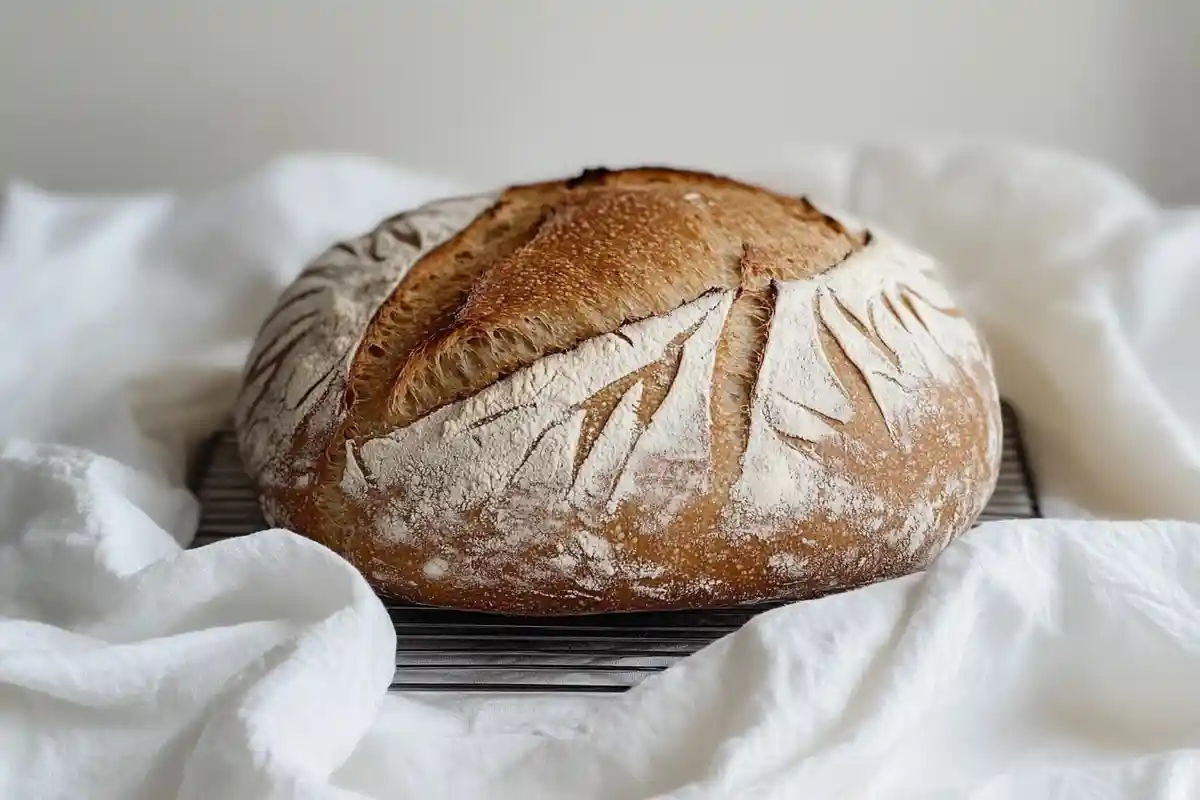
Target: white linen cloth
1050 659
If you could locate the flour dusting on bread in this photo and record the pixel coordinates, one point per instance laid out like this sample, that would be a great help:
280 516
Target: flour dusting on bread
466 455
698 393
484 455
296 372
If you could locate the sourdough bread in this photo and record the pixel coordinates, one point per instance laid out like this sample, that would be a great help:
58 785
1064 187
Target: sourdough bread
641 389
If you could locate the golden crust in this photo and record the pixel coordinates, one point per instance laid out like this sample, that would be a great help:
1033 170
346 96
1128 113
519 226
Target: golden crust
552 265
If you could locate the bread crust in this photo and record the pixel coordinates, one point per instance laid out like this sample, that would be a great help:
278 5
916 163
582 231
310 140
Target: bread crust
630 390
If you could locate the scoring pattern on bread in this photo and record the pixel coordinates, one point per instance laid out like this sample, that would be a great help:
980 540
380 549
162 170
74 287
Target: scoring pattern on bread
469 455
898 328
641 389
512 447
295 377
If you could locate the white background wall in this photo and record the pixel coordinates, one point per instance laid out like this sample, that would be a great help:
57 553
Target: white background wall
184 93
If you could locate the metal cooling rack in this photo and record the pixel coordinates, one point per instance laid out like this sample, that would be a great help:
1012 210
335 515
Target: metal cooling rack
446 650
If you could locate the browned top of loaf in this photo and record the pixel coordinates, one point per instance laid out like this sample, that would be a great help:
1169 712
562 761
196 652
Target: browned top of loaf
550 265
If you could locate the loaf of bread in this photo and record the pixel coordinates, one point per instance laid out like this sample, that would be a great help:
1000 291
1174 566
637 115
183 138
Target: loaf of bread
630 390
